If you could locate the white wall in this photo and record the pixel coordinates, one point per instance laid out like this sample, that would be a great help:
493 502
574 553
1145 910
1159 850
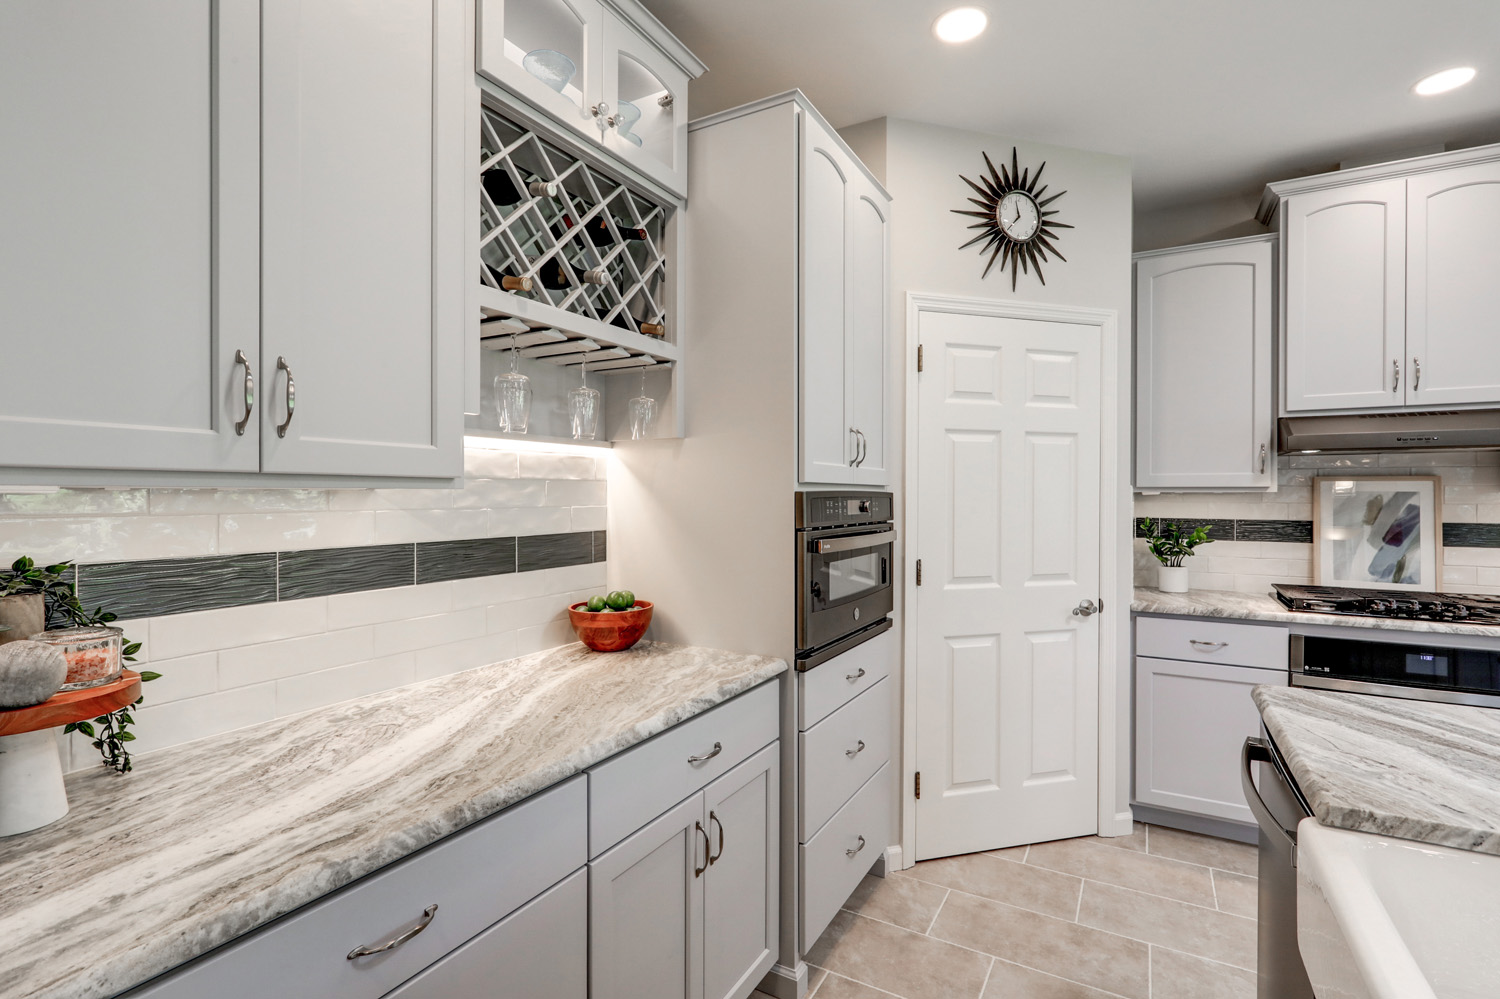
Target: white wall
238 666
922 164
1200 222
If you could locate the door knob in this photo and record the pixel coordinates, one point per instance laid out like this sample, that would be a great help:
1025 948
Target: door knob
1088 609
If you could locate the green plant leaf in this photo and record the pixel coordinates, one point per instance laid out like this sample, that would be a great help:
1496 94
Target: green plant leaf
85 728
125 737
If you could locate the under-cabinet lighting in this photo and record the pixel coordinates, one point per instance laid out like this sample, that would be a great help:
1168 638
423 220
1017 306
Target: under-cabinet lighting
961 24
550 447
1316 450
1441 83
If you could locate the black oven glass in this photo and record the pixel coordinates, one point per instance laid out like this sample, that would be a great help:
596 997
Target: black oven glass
1473 670
844 576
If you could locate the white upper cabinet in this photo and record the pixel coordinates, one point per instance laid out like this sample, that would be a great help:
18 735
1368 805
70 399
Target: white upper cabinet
1346 297
845 248
128 265
619 82
362 237
1452 294
1203 367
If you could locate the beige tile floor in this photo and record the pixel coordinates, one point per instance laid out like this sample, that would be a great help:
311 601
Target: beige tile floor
1159 914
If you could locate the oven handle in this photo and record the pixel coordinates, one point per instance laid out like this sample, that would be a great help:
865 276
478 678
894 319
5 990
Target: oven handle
1256 751
854 541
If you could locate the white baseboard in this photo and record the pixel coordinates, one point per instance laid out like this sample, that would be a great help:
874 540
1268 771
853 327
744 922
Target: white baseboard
782 982
1121 824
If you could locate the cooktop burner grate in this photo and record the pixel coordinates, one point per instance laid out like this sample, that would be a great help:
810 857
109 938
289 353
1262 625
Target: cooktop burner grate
1455 607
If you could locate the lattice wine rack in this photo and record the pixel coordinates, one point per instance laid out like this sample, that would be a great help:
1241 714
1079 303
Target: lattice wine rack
572 260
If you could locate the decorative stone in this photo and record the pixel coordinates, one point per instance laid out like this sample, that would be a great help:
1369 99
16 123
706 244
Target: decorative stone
24 614
30 673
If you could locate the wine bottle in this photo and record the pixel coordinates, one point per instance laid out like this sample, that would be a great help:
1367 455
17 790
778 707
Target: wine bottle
599 234
510 281
649 329
554 275
503 191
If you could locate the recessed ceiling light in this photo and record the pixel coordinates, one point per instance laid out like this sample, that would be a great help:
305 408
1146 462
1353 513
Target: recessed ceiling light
1440 83
960 24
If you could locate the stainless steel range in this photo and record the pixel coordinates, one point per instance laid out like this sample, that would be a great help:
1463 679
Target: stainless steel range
1461 608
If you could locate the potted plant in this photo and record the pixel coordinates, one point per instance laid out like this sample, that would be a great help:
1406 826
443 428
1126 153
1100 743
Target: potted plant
1170 544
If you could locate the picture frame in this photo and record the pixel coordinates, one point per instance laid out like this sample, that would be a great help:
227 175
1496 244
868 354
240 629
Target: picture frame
1378 532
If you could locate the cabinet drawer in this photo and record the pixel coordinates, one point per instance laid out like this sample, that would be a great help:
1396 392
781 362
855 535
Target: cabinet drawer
1206 640
475 877
838 681
540 952
636 786
830 872
830 774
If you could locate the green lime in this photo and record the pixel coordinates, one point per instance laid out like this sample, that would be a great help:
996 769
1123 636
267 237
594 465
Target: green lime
620 600
596 604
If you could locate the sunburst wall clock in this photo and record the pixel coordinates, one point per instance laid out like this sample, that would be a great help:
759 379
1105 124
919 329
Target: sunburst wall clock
1014 226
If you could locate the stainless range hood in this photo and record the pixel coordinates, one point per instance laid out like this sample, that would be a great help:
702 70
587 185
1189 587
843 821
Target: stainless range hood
1459 430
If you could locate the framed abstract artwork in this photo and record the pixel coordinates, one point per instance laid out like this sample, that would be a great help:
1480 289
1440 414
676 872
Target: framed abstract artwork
1379 533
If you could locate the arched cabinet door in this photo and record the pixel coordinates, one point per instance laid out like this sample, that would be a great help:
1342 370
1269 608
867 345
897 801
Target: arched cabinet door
1346 297
1452 297
646 107
869 326
828 445
547 52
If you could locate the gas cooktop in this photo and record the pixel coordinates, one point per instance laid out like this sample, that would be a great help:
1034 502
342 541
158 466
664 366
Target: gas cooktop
1456 607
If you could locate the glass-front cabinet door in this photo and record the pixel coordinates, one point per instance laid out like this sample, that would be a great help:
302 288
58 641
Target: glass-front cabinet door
646 96
547 51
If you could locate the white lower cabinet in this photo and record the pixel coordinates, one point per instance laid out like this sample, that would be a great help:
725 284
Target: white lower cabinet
1191 720
687 906
842 853
540 952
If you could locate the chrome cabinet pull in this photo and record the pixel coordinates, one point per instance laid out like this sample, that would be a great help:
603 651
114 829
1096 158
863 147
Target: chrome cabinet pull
850 853
398 940
855 459
600 110
1416 375
698 871
1207 646
1262 459
718 748
851 677
852 753
1395 374
863 448
714 858
240 358
291 396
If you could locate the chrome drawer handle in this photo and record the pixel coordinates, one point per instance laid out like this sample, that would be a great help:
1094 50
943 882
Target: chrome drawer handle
1416 381
1395 374
861 846
240 358
291 396
707 852
397 941
713 858
851 677
718 748
852 753
1207 646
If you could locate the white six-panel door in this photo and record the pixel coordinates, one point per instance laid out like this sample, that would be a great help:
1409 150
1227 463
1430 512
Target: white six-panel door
1453 297
1008 526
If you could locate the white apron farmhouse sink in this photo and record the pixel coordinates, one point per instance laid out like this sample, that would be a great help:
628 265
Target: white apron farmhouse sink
1381 918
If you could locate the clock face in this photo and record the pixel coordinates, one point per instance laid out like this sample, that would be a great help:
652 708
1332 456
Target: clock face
1018 216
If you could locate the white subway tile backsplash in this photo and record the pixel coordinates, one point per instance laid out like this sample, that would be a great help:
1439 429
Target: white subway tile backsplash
272 532
557 466
395 526
248 664
454 657
189 676
164 501
393 499
107 539
350 610
518 614
161 725
486 464
65 502
208 631
590 518
504 493
423 632
582 492
541 520
330 686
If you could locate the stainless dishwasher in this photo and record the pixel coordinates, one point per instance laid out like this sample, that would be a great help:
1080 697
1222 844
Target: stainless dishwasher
1278 805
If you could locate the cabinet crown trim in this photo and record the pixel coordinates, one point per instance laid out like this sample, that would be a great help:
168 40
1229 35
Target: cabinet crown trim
659 34
1281 189
1167 251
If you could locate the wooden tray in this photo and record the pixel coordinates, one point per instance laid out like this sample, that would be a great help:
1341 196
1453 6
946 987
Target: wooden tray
73 706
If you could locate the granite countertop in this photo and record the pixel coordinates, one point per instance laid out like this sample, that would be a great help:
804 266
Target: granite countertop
1408 769
209 840
1265 607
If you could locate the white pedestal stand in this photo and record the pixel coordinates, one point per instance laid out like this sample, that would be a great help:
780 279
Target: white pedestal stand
31 782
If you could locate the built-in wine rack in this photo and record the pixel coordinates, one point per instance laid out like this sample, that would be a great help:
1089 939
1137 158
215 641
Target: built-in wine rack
572 261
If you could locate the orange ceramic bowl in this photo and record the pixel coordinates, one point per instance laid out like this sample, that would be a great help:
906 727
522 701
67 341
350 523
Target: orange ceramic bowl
610 631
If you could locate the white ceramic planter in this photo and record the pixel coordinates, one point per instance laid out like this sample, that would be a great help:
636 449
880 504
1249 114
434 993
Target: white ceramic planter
1172 578
31 782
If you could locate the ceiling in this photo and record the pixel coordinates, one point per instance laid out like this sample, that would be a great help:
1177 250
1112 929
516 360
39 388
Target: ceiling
1210 99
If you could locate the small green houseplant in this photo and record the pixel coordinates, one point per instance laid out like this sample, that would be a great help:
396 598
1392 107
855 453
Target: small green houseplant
1171 544
61 609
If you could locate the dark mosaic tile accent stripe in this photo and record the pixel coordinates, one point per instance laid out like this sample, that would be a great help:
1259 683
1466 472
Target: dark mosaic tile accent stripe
320 572
438 561
1294 531
601 547
551 551
178 585
1471 535
1219 530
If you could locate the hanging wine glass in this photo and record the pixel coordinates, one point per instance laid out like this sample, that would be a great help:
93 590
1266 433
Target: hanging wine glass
642 413
513 396
583 407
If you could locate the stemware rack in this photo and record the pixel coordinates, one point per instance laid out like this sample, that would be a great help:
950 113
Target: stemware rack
546 239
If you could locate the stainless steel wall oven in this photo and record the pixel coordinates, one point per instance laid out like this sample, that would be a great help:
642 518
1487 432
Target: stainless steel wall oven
845 564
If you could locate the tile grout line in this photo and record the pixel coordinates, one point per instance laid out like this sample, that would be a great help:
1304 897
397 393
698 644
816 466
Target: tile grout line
1200 957
1150 983
987 973
936 912
1166 898
1213 883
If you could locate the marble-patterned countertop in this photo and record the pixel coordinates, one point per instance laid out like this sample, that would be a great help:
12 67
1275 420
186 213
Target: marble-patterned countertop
209 840
1408 769
1265 607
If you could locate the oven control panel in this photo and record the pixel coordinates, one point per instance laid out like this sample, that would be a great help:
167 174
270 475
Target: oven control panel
842 509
